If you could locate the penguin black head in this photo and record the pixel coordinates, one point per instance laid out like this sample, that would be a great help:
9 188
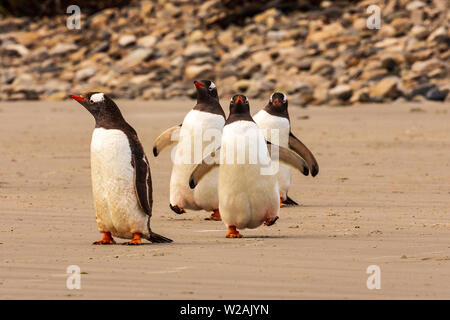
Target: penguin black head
239 109
278 105
206 91
96 103
100 106
278 100
239 105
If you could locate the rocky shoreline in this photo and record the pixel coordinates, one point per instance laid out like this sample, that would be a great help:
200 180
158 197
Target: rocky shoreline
154 49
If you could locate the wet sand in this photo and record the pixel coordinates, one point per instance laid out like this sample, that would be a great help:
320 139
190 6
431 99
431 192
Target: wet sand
382 197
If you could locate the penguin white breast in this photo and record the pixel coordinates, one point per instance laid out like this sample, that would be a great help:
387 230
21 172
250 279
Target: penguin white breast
115 201
194 142
269 122
246 196
244 137
110 151
205 120
197 126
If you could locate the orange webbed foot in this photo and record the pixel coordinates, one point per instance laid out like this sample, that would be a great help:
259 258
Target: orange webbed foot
107 239
233 233
215 216
136 241
271 221
177 209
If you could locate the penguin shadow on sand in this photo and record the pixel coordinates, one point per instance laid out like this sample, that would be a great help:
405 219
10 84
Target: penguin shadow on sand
299 236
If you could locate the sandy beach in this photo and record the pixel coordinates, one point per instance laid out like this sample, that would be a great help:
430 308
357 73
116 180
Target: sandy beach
382 197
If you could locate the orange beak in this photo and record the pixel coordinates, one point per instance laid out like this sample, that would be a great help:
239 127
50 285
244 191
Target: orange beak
239 99
198 84
78 98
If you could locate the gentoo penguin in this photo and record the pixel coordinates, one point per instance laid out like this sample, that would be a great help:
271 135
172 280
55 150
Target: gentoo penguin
120 173
201 125
275 116
248 196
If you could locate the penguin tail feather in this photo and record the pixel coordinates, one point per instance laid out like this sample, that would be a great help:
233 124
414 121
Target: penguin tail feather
289 202
157 238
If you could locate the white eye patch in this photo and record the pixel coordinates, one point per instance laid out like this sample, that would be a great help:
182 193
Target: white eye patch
284 98
212 86
98 97
271 98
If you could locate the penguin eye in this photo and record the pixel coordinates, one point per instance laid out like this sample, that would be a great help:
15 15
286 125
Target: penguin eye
211 86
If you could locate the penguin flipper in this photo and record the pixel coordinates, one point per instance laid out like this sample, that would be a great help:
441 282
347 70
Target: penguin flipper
289 202
298 147
200 170
165 139
289 157
143 183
